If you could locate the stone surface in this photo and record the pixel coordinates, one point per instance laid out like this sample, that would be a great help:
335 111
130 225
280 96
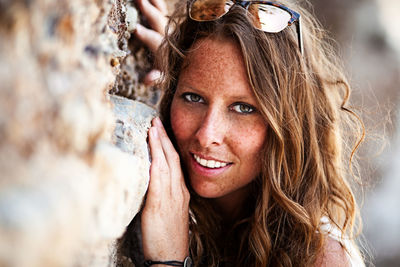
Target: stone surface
78 210
137 61
66 192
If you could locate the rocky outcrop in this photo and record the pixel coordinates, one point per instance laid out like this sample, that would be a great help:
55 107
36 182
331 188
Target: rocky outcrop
67 192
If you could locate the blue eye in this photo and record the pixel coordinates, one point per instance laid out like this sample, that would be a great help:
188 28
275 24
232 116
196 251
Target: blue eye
190 97
243 108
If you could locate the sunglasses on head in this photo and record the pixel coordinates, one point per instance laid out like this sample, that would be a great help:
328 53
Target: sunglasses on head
267 16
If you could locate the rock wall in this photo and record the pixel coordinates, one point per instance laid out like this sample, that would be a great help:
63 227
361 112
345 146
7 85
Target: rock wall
67 192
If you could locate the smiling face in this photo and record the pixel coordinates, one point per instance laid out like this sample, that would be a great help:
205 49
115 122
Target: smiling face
215 121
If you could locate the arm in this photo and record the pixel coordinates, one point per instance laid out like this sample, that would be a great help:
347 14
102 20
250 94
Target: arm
165 217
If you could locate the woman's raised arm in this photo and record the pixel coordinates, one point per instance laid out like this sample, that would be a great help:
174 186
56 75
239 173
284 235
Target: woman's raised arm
165 217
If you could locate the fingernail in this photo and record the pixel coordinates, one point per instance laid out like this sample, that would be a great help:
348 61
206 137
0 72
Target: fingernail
154 132
152 77
138 29
158 122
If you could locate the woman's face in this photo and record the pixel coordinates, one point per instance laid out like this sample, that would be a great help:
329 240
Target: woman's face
215 120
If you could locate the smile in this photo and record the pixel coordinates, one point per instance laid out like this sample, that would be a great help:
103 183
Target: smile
212 164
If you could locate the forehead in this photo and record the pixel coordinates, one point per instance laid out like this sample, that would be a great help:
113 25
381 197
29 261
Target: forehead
216 64
216 53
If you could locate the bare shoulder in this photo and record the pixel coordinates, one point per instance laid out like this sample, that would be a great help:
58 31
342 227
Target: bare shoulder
333 254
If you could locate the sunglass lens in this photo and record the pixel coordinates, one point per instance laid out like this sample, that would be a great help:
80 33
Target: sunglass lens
206 10
269 18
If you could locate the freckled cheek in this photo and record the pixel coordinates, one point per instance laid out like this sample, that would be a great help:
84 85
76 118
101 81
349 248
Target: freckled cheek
250 139
176 122
181 123
248 146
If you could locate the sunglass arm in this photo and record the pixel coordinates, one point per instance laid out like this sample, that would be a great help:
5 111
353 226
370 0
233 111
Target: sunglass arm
300 36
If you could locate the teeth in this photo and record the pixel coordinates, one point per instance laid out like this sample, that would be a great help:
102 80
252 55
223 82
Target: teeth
209 163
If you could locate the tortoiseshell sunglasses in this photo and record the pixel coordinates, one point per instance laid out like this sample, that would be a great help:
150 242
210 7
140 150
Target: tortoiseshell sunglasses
267 16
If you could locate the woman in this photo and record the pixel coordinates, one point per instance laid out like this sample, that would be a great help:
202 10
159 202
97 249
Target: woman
248 168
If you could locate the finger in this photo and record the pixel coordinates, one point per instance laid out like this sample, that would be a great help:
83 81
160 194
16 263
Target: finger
170 153
150 38
159 168
161 5
156 18
152 77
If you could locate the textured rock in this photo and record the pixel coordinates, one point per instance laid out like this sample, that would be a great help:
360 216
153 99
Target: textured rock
131 172
43 222
126 172
66 192
136 61
74 209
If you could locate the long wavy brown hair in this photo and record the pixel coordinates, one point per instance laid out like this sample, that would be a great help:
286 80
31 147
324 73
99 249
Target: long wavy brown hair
306 167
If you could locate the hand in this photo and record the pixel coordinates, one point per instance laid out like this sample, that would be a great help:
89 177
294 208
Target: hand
165 217
155 12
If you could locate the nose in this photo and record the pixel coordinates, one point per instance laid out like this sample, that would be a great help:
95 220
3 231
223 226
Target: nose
212 129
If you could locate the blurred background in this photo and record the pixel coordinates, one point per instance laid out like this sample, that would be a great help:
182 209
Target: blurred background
368 40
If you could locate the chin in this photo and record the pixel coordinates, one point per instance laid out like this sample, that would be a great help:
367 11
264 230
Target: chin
205 191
